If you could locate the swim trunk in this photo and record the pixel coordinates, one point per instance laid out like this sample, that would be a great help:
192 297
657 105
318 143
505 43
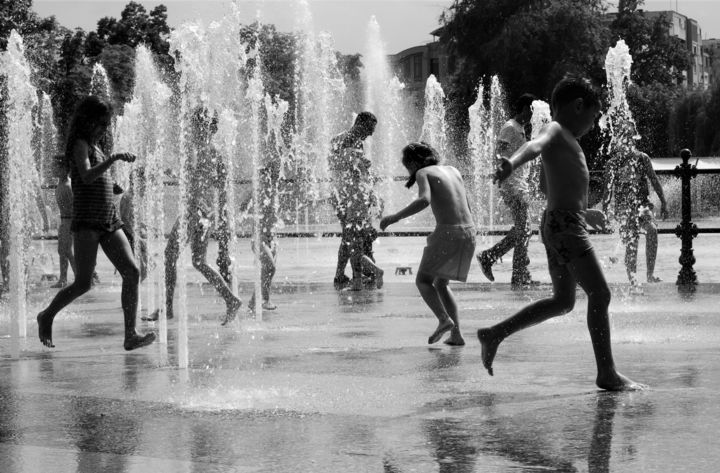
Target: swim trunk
449 252
565 235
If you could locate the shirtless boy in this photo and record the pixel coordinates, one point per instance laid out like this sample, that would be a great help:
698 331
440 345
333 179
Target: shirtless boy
571 259
451 246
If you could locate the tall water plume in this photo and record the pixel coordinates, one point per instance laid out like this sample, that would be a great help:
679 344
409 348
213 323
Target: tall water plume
625 164
144 129
22 180
383 97
541 116
434 129
486 118
318 113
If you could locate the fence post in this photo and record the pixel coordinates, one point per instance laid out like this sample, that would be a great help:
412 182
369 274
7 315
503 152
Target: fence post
686 230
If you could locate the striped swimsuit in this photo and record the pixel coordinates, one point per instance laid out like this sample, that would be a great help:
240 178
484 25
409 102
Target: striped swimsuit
93 203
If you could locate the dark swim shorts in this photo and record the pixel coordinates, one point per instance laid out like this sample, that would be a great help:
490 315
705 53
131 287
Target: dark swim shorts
565 235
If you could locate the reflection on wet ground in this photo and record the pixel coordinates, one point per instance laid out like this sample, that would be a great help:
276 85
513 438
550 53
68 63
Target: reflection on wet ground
344 382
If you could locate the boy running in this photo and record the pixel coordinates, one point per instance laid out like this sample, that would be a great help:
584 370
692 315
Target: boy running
571 259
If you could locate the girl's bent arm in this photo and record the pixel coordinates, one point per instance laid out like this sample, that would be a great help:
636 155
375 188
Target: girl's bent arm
88 173
417 205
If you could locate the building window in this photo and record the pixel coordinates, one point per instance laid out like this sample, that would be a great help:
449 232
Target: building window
407 69
435 67
417 67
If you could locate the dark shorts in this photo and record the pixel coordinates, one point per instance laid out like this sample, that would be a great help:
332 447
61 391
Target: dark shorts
101 228
565 235
449 252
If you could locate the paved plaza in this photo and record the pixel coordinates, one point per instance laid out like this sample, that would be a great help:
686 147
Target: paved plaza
345 382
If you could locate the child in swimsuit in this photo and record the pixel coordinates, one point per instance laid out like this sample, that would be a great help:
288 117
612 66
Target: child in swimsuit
95 221
571 259
451 246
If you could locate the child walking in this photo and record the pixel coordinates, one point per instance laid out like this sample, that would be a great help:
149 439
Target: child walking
571 259
95 221
451 246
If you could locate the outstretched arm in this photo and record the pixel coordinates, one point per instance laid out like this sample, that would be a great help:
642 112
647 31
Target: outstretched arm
417 205
525 153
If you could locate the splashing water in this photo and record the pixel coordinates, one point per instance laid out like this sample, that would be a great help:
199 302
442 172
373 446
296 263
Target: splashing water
485 123
22 180
540 118
383 97
434 129
319 111
144 130
624 166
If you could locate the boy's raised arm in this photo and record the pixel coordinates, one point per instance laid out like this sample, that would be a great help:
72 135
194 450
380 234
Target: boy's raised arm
525 153
420 203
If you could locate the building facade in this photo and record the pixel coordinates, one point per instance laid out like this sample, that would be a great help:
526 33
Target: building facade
414 65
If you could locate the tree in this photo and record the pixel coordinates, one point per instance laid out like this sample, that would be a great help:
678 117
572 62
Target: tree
529 44
657 56
15 15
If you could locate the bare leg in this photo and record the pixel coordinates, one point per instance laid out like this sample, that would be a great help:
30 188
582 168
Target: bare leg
86 245
651 247
561 302
588 272
65 252
631 251
172 253
369 265
430 295
448 301
118 250
198 248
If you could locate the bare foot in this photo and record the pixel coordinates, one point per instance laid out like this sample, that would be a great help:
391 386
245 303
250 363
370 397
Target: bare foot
653 279
455 339
138 341
231 312
489 345
379 278
442 327
45 329
617 382
59 285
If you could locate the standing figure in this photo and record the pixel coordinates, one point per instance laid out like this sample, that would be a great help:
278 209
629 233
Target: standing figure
515 193
571 258
353 199
95 221
268 196
64 199
450 247
626 178
206 180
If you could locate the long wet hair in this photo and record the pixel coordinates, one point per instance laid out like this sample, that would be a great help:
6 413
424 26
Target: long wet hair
421 154
91 111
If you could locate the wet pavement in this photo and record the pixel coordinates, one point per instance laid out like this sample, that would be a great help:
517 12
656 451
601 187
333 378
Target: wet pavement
345 382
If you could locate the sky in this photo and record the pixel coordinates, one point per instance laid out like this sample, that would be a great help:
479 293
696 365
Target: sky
403 23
